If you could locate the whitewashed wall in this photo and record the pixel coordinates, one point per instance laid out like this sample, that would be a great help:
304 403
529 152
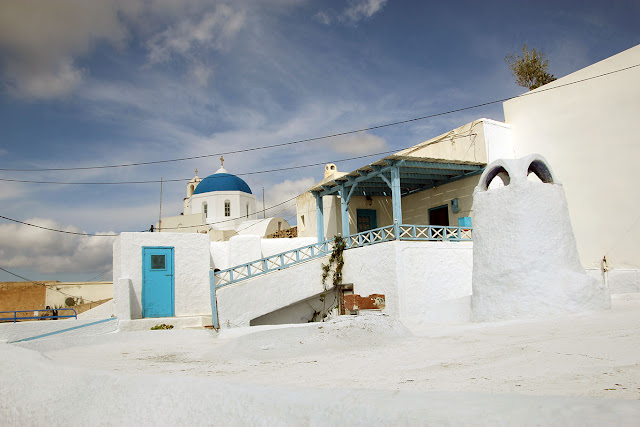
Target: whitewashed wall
422 281
586 132
90 291
242 249
241 302
191 269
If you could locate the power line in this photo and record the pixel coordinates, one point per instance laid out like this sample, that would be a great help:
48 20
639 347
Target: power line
187 179
116 235
334 135
58 231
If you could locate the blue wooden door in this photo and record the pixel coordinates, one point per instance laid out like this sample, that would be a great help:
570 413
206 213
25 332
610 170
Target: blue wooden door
157 282
366 219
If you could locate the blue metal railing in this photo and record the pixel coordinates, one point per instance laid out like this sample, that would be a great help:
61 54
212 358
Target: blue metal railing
317 250
15 317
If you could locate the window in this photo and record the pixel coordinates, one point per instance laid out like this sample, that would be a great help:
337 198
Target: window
227 208
247 210
157 262
204 209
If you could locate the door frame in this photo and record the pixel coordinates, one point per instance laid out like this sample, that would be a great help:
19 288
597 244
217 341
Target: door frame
173 276
373 217
445 206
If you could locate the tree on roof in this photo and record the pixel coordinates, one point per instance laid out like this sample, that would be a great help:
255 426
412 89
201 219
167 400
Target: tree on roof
529 68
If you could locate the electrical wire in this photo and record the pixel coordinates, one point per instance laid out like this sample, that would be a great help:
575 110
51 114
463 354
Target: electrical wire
116 235
40 283
188 179
334 135
58 231
184 226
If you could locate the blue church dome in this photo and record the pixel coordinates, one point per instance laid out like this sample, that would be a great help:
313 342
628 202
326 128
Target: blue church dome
222 181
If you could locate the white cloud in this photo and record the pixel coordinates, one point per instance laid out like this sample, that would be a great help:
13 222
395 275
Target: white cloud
39 40
358 143
363 9
46 251
286 190
214 30
356 11
52 82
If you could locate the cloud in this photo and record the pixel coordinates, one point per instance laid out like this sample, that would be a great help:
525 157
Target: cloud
286 190
39 40
359 10
356 11
358 143
46 251
200 74
214 30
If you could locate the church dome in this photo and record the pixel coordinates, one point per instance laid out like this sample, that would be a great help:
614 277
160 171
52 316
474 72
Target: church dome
222 181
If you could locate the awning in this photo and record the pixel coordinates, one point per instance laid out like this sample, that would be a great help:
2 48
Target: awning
416 174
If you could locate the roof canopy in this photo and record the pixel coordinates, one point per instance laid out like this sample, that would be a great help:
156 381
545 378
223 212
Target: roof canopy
416 174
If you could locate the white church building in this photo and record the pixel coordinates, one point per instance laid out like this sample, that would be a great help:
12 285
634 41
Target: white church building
221 205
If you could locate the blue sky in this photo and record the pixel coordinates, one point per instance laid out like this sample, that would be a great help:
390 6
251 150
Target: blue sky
89 83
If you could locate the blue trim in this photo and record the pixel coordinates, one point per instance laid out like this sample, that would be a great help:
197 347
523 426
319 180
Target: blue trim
396 199
172 275
16 318
319 217
214 301
344 211
66 330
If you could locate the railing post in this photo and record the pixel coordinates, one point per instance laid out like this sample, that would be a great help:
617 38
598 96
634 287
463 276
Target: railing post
319 217
266 265
396 199
281 261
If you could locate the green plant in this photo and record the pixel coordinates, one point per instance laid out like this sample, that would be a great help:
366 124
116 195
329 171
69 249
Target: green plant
529 69
336 260
163 326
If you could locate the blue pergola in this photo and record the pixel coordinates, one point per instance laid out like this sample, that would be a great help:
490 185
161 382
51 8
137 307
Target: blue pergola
394 175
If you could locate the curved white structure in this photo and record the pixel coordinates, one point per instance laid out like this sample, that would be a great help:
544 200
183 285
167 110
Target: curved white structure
525 261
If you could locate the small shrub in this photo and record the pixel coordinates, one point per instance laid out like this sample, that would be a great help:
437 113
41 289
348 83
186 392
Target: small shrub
163 326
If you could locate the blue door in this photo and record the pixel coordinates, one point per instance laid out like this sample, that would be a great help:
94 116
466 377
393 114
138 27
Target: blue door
157 282
366 219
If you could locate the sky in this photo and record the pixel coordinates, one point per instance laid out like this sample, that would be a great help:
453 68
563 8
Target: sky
111 82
